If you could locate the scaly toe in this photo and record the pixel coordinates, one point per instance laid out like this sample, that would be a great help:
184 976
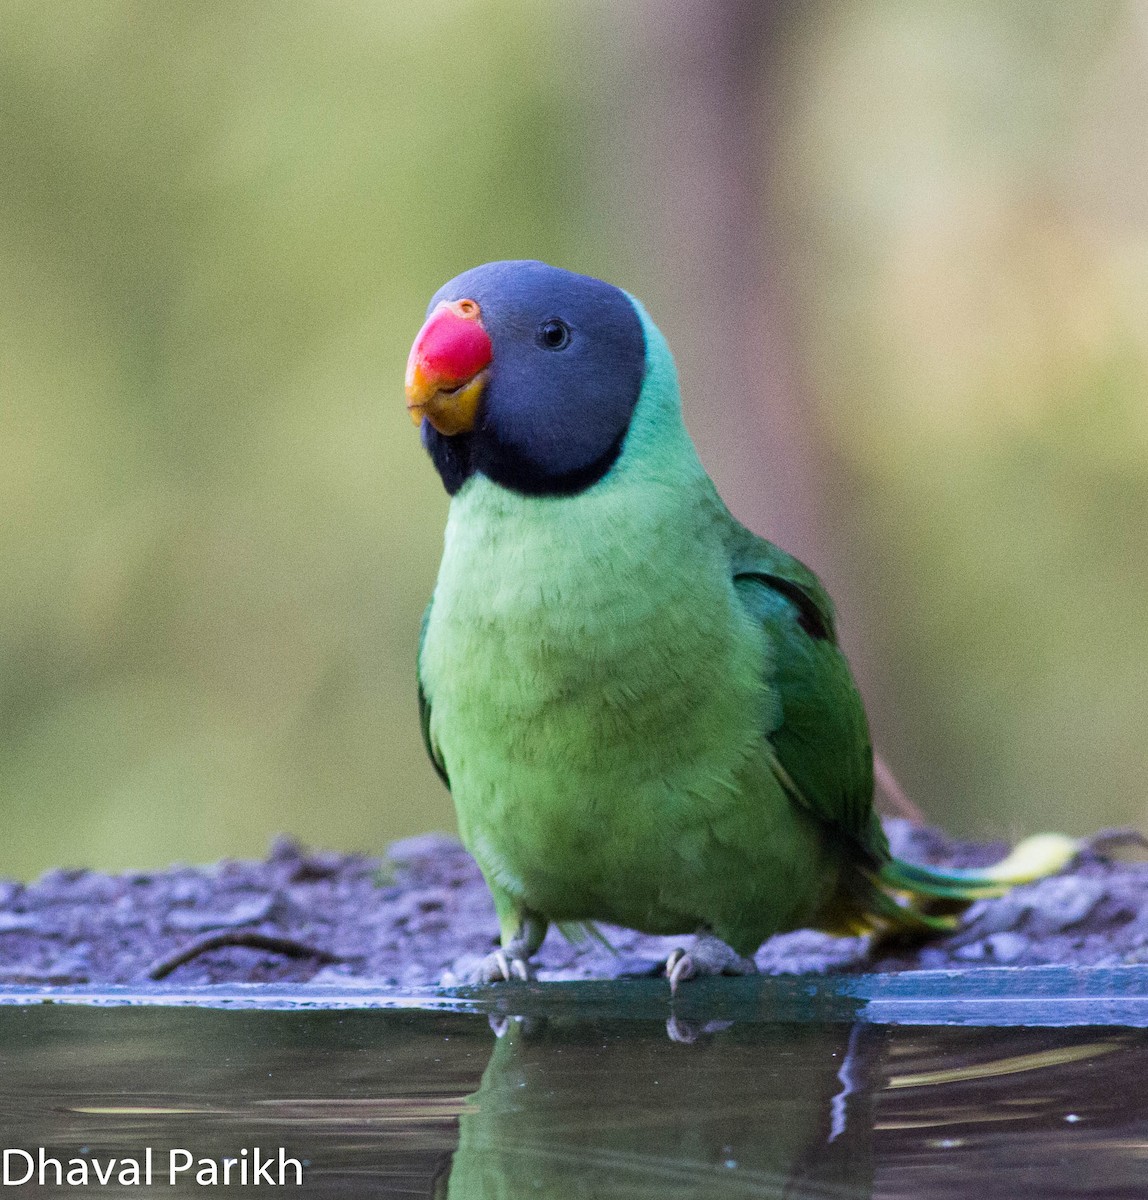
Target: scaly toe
708 956
679 966
500 967
687 1032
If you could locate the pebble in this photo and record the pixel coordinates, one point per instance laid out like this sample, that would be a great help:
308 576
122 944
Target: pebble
16 922
1006 947
246 912
1057 903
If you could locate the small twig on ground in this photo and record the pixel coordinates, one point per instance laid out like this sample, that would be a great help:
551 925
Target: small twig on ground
899 804
237 937
1108 840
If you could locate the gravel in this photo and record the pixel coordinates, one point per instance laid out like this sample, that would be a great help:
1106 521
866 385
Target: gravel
422 916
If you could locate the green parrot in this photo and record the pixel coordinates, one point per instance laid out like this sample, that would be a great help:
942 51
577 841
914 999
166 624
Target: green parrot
640 708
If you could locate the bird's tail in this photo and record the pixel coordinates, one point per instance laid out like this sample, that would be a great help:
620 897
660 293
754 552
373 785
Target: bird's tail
908 899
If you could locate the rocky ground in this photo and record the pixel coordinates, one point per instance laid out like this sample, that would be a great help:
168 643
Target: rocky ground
422 916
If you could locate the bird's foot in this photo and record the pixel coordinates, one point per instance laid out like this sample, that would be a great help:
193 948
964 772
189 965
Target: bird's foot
708 956
501 966
687 1032
503 1025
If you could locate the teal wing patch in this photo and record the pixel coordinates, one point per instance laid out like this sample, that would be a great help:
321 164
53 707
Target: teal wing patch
821 742
424 705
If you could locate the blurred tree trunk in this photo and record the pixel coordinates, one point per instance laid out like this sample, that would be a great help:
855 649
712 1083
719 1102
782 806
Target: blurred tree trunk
705 138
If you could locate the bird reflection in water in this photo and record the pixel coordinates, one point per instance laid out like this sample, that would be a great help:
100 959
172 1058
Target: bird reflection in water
571 1109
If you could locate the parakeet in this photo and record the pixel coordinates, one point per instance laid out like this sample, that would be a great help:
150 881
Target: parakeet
640 708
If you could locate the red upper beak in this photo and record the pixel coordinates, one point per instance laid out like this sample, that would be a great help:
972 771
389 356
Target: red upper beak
446 370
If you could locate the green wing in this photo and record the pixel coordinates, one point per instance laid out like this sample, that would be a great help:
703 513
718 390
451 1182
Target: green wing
821 742
424 703
824 759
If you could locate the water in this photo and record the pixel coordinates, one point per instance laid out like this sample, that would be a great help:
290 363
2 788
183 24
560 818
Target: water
578 1101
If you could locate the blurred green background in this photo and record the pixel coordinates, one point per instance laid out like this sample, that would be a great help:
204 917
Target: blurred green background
901 252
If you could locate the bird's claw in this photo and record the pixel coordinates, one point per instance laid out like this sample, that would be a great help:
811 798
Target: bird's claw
708 956
500 967
685 1032
502 1024
679 966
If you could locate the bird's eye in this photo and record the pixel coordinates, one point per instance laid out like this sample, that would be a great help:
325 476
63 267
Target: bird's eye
553 334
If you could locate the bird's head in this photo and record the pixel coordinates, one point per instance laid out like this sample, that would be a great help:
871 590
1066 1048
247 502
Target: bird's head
527 374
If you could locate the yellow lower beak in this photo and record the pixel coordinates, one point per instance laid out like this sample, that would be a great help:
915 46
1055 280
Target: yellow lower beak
450 411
